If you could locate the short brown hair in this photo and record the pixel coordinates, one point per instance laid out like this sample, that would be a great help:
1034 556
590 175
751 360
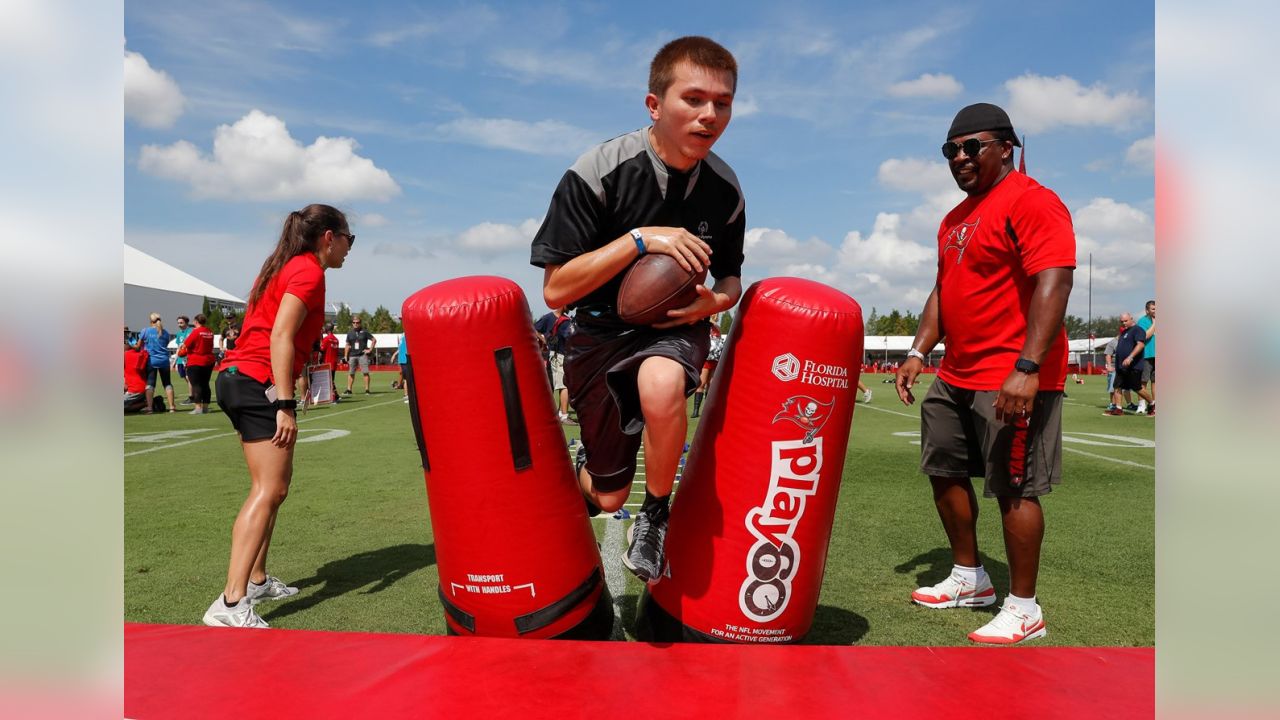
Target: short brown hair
698 50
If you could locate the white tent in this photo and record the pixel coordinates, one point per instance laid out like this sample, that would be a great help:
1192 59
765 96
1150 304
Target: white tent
152 285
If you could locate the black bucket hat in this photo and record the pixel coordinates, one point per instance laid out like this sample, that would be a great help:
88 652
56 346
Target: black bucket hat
981 116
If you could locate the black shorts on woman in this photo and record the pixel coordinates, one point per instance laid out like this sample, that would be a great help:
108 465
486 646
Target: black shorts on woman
245 402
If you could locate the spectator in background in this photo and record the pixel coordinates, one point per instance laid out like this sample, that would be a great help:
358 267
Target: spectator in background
1148 323
361 344
197 355
1129 362
329 348
714 352
555 329
155 340
228 340
402 359
178 362
135 376
1108 358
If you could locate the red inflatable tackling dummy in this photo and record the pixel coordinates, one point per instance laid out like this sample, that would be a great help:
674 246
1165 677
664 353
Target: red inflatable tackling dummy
514 548
747 541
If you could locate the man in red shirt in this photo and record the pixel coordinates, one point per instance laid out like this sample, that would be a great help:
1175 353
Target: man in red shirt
329 346
1005 261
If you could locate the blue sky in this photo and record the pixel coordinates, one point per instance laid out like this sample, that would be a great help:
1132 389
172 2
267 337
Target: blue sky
442 128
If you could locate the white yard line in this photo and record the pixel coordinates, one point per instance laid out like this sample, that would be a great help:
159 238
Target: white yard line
326 416
1108 459
1064 445
612 547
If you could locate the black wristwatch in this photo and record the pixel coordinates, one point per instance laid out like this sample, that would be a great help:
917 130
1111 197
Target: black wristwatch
290 404
1026 366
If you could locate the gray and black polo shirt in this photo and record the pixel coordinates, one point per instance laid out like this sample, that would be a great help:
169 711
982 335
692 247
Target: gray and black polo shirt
623 184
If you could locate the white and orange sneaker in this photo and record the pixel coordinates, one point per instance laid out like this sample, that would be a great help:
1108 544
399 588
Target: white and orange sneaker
956 592
1011 626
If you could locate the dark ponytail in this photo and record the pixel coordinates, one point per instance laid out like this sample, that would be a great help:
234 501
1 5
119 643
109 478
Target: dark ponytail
301 234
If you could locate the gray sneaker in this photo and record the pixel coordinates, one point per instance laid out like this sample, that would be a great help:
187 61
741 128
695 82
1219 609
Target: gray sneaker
241 614
271 589
645 556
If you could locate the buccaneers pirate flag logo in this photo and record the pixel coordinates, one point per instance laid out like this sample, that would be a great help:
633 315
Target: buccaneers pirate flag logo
806 412
959 238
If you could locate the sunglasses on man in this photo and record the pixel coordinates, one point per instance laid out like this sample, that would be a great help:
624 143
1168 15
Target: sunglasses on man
971 148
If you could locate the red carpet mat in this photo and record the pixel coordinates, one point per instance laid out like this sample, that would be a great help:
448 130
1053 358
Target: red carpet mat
180 671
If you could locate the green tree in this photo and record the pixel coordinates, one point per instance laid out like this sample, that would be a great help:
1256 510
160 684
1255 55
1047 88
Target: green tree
726 322
871 322
343 319
381 321
216 321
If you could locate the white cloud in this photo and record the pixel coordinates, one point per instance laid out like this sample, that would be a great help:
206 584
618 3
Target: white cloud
915 175
403 250
395 36
545 137
151 97
1142 154
537 65
886 253
1121 239
372 220
1106 217
768 247
745 106
811 271
489 238
1038 104
257 159
941 86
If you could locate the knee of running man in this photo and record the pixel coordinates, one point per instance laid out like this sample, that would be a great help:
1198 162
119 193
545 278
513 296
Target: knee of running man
612 501
661 384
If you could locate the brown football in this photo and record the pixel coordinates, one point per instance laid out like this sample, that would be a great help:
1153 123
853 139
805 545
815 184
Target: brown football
653 285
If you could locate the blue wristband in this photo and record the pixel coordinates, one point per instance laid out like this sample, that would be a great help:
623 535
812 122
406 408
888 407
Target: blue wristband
639 238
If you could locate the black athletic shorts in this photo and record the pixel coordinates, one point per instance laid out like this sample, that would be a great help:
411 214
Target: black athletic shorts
600 373
1129 379
244 400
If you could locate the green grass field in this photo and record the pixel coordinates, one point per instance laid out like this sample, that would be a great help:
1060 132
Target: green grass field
355 533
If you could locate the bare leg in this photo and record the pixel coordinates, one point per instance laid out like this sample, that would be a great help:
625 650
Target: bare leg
606 501
958 509
661 385
259 573
270 471
1023 521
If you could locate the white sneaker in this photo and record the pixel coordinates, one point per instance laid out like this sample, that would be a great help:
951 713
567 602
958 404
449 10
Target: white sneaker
1011 626
271 589
239 615
866 396
1142 407
956 592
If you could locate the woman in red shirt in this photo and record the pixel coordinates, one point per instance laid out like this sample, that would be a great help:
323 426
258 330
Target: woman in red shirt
256 391
198 350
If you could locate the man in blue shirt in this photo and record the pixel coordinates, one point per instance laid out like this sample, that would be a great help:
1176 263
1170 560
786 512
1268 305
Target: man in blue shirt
1129 362
1148 324
180 361
402 357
